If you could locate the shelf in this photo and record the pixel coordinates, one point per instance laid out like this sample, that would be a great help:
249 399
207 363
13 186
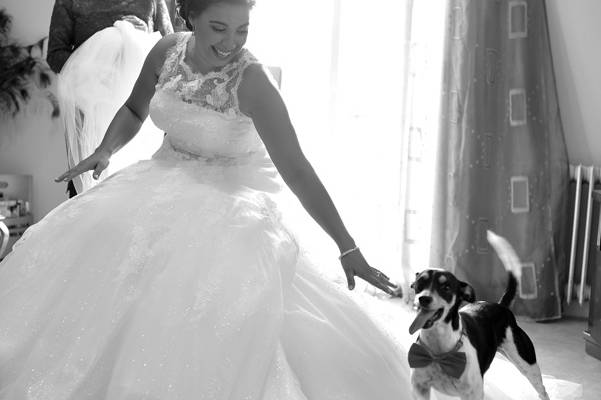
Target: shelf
16 221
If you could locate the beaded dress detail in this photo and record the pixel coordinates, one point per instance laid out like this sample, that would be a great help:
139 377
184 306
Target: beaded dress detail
175 278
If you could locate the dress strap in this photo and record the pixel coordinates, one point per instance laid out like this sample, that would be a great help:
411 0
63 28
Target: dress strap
173 57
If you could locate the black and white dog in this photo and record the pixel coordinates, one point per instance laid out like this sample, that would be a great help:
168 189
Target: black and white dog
456 345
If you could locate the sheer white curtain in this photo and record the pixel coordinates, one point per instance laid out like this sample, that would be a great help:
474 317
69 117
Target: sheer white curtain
420 130
350 87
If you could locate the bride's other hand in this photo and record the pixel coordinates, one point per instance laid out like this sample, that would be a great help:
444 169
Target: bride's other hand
354 264
131 115
97 162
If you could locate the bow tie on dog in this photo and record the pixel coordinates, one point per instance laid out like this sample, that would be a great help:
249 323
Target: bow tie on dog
452 363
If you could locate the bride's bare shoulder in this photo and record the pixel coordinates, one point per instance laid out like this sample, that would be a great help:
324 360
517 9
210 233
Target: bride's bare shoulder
158 54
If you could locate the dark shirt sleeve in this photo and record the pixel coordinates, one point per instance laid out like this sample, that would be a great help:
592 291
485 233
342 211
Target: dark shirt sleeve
162 20
61 35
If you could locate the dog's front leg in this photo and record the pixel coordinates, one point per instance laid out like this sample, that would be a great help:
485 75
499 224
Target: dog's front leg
421 392
420 385
476 393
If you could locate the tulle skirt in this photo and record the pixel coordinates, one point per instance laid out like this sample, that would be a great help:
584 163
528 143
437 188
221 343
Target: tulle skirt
92 85
178 280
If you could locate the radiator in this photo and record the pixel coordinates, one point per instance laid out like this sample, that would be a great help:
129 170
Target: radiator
591 175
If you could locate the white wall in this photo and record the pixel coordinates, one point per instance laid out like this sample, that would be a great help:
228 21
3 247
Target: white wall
31 18
34 144
575 34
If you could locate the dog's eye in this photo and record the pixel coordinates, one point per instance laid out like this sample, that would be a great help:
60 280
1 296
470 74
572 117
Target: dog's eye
446 288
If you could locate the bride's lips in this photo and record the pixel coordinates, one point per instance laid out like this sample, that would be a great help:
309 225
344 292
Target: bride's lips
223 54
425 319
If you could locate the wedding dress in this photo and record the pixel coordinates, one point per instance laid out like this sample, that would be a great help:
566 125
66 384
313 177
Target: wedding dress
176 278
180 278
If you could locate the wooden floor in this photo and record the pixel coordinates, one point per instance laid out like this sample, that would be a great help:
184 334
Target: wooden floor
560 351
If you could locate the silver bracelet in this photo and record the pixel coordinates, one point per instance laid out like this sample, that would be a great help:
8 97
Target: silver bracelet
344 253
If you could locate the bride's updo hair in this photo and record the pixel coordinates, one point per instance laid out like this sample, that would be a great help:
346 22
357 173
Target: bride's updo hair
190 8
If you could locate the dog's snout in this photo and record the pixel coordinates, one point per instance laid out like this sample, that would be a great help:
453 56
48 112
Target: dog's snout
425 301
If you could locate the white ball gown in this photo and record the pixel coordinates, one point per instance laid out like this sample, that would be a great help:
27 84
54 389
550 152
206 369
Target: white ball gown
175 278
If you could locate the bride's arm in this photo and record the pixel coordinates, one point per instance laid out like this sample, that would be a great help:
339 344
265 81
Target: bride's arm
260 100
129 118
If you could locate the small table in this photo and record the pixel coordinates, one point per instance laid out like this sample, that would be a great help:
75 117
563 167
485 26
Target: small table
592 336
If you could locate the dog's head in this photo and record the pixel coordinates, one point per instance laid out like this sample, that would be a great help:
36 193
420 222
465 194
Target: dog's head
438 295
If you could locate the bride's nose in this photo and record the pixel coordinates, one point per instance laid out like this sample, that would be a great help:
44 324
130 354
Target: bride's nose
228 42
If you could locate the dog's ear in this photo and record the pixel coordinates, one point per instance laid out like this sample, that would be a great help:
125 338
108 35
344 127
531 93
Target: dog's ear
412 286
467 292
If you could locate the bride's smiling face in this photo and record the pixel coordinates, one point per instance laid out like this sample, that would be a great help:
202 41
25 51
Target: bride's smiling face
220 32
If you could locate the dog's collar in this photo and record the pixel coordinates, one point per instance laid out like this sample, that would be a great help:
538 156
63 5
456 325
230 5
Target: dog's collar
457 346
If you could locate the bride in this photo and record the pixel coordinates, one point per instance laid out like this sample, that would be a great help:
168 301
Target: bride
177 277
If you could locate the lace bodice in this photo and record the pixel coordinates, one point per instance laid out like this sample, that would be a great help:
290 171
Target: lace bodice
200 112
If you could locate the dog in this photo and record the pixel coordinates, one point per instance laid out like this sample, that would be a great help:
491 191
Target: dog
456 345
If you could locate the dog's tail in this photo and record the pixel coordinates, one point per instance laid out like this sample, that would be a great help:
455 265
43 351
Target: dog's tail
509 294
510 261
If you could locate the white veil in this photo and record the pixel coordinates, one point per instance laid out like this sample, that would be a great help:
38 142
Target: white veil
93 84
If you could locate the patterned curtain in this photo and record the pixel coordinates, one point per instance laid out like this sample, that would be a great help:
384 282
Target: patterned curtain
502 162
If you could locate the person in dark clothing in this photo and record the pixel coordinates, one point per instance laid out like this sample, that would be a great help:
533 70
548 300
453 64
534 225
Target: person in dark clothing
75 21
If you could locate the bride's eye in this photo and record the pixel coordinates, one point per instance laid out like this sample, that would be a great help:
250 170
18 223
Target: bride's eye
218 29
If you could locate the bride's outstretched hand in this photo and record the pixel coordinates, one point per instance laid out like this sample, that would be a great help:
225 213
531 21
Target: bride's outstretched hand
354 264
97 162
